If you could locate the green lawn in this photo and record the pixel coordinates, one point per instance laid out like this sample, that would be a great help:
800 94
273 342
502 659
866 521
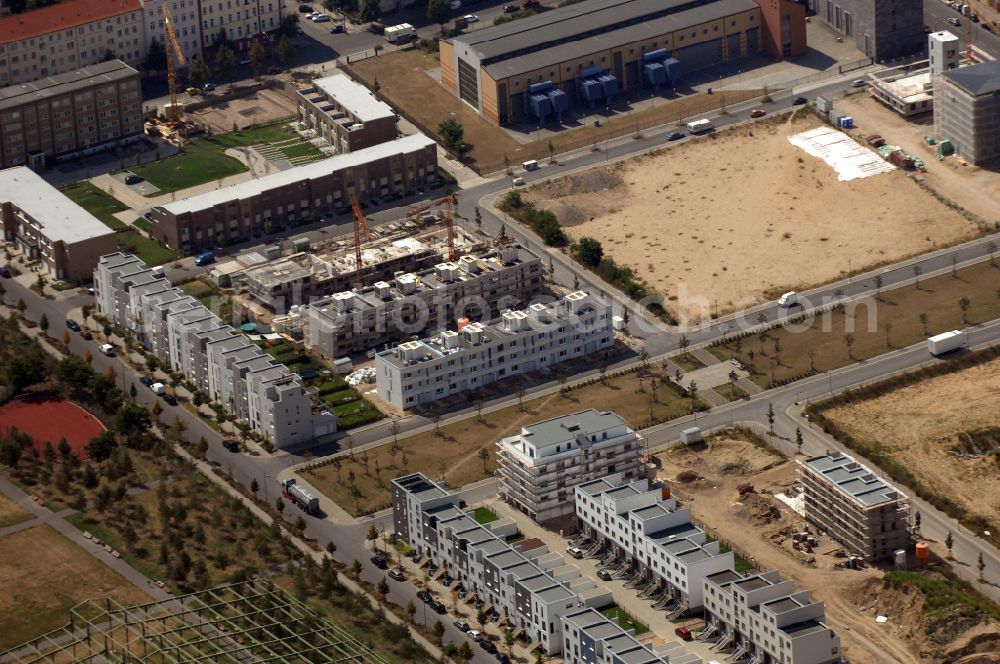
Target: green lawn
202 161
484 515
149 250
625 621
255 136
96 202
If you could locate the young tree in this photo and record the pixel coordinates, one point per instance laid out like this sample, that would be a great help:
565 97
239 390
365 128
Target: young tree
411 610
887 326
43 324
382 588
916 522
436 418
439 11
949 541
258 57
286 50
965 304
980 565
279 505
733 377
371 10
878 287
798 439
198 72
917 271
683 344
156 410
589 251
464 652
923 323
693 393
520 398
991 247
438 630
770 418
484 456
225 62
478 404
452 133
849 342
478 218
356 568
300 523
552 152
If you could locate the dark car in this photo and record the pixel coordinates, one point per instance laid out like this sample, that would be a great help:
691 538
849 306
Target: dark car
146 380
675 136
337 28
208 87
798 101
503 658
86 334
170 399
134 179
274 71
488 646
425 597
5 272
73 325
305 9
439 608
231 445
447 581
380 562
509 9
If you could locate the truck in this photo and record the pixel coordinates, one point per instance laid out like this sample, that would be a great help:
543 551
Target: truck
400 34
700 126
206 258
301 498
945 342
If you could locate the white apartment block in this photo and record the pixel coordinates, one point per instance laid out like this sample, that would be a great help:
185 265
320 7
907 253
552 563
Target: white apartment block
191 339
532 588
542 336
766 621
69 35
187 24
590 638
243 21
638 530
540 467
415 302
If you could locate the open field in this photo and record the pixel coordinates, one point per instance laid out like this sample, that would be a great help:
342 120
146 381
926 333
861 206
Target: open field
11 513
260 108
454 454
822 345
758 230
42 575
974 188
403 78
927 426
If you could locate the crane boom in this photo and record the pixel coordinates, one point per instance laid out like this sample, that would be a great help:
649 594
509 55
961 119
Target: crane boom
172 48
359 224
447 200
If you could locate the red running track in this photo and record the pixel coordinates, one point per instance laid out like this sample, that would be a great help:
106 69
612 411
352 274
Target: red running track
47 420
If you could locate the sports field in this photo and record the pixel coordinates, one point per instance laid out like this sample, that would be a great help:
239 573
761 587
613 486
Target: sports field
49 420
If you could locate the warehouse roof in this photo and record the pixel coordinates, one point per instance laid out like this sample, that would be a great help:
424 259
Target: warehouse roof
51 86
978 79
62 16
60 218
561 52
354 97
317 169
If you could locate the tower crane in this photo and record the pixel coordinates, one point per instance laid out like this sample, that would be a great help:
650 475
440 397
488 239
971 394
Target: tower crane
359 224
172 48
447 200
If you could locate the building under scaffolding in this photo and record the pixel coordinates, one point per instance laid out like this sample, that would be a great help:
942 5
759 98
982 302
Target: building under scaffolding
254 621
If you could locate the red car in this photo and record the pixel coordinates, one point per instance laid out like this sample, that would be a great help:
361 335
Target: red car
927 28
85 333
758 113
683 632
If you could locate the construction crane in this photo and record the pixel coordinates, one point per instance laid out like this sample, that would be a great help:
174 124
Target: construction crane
359 224
172 48
974 10
447 200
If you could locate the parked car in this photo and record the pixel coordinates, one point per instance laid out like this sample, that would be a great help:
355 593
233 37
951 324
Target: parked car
439 608
447 581
473 634
502 658
509 9
471 18
488 646
461 625
576 552
858 83
146 380
425 597
305 9
208 87
954 21
380 562
683 632
134 179
322 18
85 333
397 575
170 399
337 28
798 101
107 349
73 325
231 445
5 272
758 113
603 574
675 136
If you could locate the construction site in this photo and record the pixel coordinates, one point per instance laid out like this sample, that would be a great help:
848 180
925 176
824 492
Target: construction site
249 621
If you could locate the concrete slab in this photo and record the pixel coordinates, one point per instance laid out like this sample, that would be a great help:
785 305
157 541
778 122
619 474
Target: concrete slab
706 358
713 375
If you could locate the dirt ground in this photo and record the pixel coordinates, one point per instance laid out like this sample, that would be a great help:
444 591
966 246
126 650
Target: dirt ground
926 426
11 513
750 527
976 189
750 188
42 575
262 107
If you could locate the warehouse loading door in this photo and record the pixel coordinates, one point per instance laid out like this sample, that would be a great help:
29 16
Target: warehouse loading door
517 110
753 41
732 47
700 56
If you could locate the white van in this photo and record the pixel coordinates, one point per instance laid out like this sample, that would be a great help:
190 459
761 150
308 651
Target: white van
159 389
576 552
107 349
530 165
157 272
789 299
700 126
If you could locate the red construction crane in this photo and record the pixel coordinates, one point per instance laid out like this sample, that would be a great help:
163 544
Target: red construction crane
172 48
359 225
447 200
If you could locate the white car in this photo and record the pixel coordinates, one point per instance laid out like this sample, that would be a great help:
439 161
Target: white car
788 300
107 349
576 552
322 18
471 18
474 634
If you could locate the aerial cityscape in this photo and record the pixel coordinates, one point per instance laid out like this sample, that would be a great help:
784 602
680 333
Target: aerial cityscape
512 331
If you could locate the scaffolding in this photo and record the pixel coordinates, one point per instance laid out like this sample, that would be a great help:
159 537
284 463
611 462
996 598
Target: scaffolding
252 621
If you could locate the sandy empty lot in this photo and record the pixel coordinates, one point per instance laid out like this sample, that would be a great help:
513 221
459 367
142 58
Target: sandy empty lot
925 421
743 215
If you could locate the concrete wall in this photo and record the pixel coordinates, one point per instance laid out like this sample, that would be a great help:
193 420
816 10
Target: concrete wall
882 29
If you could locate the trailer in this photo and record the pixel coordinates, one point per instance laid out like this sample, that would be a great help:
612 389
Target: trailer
700 126
945 342
691 435
299 497
400 34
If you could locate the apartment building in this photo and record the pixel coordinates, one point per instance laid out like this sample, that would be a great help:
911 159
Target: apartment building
50 228
540 467
187 24
534 589
766 621
58 117
635 526
194 341
244 21
69 35
268 204
866 515
882 29
474 286
969 104
541 336
590 638
345 114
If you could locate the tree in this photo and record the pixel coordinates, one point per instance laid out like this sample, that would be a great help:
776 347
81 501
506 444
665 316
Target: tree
683 344
888 331
156 410
356 568
279 505
484 456
478 404
300 524
286 50
258 57
949 541
371 10
452 133
589 251
849 342
520 398
964 304
411 610
156 57
464 652
552 152
254 487
878 287
770 417
438 630
923 323
917 271
436 418
382 588
991 247
693 393
21 305
508 640
478 218
198 72
225 62
289 25
980 565
439 11
733 377
916 521
798 439
65 337
44 323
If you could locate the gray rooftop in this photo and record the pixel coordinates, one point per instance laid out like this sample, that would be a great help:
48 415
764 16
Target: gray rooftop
419 486
853 480
52 86
562 429
354 97
981 79
803 628
61 219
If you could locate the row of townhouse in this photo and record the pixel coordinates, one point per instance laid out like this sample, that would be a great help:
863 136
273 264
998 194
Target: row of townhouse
184 334
590 638
473 286
643 533
533 589
77 33
542 336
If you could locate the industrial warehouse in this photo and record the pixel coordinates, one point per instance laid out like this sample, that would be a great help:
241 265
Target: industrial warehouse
595 51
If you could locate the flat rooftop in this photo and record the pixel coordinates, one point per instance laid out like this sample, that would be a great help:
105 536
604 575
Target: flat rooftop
562 429
908 88
355 98
53 86
853 480
803 628
61 219
418 485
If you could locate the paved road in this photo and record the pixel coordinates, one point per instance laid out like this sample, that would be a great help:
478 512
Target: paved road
937 13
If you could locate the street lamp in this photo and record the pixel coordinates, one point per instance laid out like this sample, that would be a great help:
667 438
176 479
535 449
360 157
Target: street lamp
267 499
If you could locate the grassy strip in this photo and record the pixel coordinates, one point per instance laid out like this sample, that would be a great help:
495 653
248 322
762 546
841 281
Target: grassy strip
625 621
96 202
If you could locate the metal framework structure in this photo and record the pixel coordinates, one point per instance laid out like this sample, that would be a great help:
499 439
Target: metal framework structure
253 621
447 200
172 48
359 224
